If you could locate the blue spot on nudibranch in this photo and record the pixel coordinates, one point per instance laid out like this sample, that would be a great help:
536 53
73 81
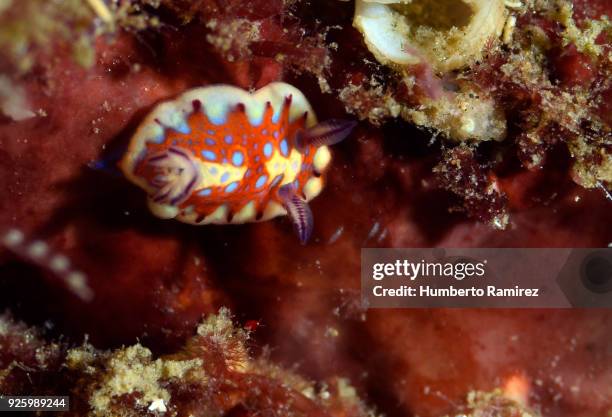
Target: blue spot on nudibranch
276 134
284 147
276 115
210 155
294 166
237 158
161 138
183 128
232 187
267 149
217 119
228 139
225 177
247 174
213 170
210 142
205 192
211 132
261 181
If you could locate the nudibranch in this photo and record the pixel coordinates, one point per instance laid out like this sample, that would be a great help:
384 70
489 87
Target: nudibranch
219 154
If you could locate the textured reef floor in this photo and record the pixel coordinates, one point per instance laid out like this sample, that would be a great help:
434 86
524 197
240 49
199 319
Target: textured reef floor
389 185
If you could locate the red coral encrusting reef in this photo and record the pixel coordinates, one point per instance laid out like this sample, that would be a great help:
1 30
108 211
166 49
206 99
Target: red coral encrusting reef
388 186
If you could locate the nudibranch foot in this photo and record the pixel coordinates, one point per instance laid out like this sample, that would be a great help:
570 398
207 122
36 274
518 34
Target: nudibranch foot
299 212
220 155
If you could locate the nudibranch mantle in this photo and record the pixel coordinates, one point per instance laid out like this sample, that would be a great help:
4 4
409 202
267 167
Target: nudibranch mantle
219 154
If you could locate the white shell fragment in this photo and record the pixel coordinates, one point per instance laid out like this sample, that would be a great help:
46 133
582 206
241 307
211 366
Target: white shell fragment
158 405
447 34
383 32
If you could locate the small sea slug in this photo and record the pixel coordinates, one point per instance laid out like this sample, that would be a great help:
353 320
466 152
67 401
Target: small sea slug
220 155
